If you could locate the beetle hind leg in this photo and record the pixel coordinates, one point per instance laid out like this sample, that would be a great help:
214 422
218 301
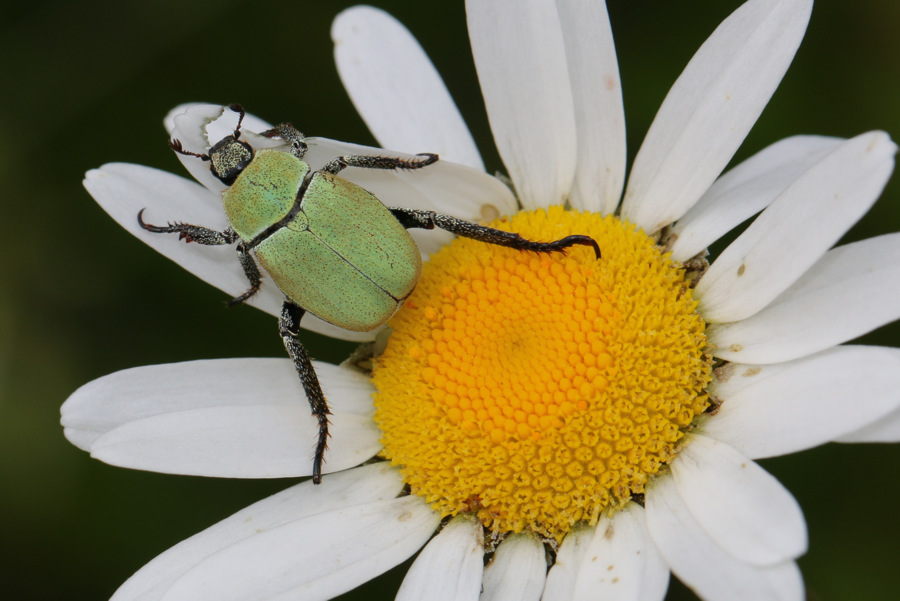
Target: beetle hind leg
289 328
413 218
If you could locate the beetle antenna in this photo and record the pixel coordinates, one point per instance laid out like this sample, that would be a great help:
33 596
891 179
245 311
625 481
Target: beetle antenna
175 145
237 109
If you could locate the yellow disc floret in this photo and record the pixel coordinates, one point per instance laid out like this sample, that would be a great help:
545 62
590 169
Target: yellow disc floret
536 391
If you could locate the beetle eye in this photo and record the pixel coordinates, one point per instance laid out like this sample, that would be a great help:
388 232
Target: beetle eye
228 158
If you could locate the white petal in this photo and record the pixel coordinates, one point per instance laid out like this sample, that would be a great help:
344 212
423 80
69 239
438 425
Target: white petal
784 408
133 394
886 429
122 190
369 484
852 290
702 565
317 557
597 96
198 126
622 562
517 571
521 62
237 442
746 190
711 107
744 509
396 89
449 567
444 187
561 577
797 229
201 124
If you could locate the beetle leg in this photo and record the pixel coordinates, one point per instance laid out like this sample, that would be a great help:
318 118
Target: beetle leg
290 134
191 233
375 162
413 218
289 328
251 271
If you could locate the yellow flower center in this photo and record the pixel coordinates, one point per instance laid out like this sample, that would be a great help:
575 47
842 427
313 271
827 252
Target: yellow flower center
536 391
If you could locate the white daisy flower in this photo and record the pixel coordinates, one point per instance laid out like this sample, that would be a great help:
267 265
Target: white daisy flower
604 414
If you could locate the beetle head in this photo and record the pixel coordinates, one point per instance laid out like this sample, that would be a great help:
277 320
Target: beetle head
228 157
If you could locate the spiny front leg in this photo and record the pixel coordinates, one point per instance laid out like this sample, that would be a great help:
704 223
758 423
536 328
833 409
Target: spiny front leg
209 237
289 327
191 233
413 218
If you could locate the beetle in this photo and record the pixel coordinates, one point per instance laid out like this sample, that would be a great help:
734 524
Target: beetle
332 247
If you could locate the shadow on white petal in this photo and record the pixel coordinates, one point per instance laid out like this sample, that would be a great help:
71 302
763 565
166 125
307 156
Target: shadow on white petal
850 291
621 561
743 508
560 585
517 571
746 190
370 484
796 229
317 557
450 567
807 402
704 566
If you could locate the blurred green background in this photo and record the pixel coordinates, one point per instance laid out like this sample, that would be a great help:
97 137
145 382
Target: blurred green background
89 82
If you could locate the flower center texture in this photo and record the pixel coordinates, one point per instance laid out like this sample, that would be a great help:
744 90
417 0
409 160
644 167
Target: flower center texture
536 391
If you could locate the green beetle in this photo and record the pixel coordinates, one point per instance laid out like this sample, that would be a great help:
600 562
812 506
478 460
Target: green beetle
331 246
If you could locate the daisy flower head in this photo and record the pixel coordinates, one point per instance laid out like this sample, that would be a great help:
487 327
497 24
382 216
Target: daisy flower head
571 427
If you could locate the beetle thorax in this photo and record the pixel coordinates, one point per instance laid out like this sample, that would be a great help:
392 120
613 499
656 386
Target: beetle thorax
264 193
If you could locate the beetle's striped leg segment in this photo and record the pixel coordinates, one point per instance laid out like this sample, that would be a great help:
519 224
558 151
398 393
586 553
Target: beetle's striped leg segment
251 271
289 327
413 218
191 233
375 162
